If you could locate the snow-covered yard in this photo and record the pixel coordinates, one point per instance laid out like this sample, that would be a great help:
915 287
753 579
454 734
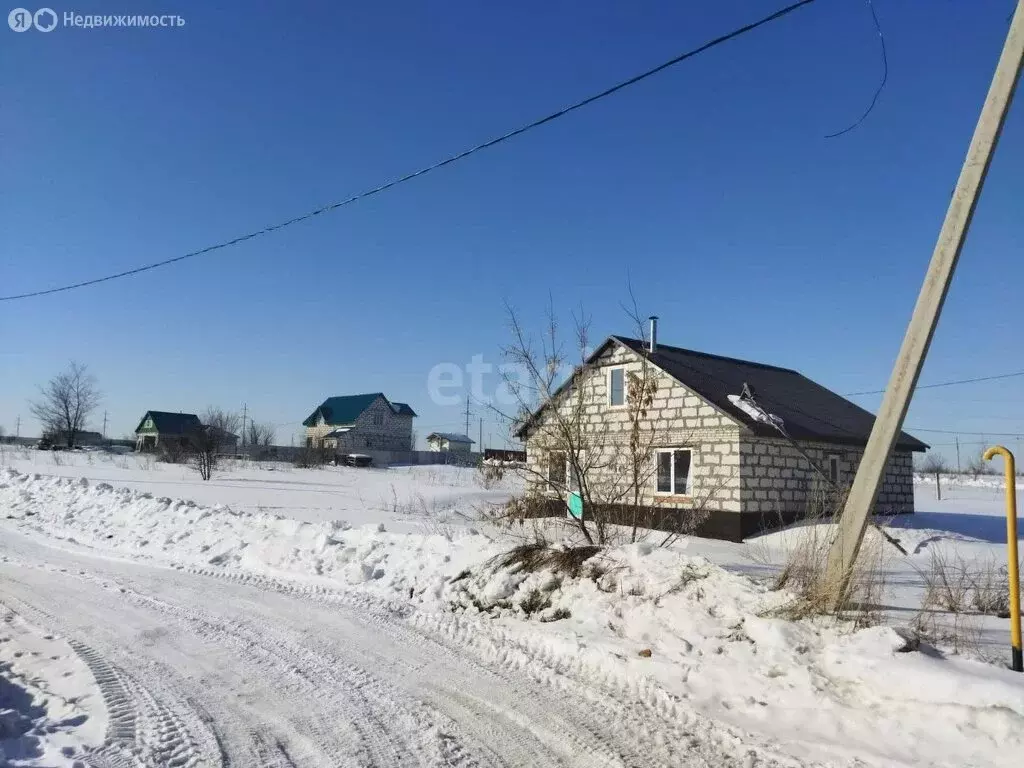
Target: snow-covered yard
637 656
366 495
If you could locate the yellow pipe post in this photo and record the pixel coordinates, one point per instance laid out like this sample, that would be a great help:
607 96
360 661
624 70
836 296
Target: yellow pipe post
1011 541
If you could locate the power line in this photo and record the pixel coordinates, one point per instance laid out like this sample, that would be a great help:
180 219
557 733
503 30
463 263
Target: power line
942 384
427 169
965 432
881 85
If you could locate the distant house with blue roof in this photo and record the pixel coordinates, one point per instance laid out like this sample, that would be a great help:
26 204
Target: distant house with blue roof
449 442
360 422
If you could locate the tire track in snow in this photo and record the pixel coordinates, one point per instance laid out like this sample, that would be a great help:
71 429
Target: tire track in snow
615 722
367 705
142 732
633 718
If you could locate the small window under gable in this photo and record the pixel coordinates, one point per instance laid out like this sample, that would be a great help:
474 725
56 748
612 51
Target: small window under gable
617 386
378 419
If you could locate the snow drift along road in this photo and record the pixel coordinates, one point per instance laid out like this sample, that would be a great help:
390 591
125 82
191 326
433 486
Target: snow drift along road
327 608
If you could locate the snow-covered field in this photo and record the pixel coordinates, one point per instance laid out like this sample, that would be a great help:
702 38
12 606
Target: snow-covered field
358 617
367 495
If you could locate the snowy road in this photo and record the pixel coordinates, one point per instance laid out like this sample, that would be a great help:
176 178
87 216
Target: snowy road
203 670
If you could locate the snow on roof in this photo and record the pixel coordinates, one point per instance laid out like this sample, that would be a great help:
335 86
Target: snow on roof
451 437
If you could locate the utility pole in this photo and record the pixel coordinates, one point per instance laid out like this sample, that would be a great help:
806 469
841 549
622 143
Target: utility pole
956 439
480 445
918 337
467 416
245 412
17 427
104 425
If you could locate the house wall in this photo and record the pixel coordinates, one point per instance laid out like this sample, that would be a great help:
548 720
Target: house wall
394 434
678 418
448 446
775 479
760 480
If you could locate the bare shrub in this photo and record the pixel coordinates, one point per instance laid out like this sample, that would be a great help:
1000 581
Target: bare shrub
311 457
173 451
206 444
955 585
435 518
489 475
534 557
805 571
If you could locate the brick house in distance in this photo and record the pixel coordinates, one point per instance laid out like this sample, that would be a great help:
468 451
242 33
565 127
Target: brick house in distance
712 446
353 422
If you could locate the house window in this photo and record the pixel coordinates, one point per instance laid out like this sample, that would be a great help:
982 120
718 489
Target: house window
673 471
617 386
557 464
378 419
833 468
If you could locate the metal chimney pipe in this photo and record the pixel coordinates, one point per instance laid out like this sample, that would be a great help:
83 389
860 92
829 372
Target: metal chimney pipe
654 333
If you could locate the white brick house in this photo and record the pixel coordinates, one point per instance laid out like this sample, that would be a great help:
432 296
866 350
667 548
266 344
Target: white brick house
706 449
354 422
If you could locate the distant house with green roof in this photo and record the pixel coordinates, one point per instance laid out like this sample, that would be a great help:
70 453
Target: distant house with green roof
360 422
158 428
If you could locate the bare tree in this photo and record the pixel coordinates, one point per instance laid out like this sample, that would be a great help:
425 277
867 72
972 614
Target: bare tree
977 466
218 432
204 445
66 402
228 423
935 464
261 434
607 465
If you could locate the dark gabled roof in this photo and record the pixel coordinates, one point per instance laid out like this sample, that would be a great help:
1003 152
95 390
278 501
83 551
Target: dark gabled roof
402 409
809 411
171 423
343 411
451 437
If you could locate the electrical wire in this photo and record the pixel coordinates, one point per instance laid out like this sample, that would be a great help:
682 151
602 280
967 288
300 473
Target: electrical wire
881 85
427 169
942 384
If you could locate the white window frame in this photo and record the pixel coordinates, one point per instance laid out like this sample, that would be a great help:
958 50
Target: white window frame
672 475
625 386
833 461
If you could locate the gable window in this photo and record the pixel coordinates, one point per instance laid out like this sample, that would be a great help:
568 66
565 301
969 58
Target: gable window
378 419
557 463
672 473
833 468
617 386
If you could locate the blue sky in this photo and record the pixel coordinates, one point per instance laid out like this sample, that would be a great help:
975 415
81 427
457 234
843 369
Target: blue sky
710 186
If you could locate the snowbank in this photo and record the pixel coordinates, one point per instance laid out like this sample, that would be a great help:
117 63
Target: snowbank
670 626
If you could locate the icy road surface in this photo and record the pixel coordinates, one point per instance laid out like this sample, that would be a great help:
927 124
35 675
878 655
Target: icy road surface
202 670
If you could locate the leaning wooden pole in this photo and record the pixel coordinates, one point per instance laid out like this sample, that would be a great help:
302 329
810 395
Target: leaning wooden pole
918 337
